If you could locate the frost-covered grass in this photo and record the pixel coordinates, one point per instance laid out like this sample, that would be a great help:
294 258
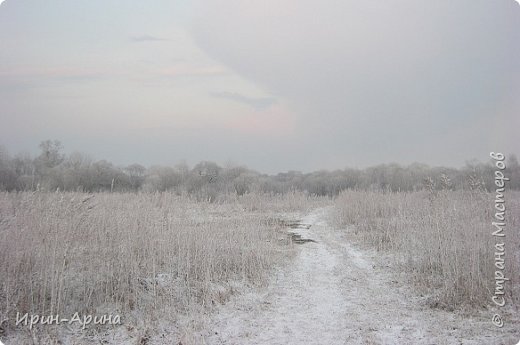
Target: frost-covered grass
134 254
442 241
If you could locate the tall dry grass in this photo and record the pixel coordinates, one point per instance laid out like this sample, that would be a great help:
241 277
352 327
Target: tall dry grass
63 253
441 241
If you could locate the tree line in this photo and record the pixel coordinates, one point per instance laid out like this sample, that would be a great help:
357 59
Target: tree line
52 170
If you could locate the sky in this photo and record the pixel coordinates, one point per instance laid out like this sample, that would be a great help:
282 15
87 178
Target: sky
275 85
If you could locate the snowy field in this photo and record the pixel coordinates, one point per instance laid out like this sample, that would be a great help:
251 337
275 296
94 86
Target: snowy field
255 269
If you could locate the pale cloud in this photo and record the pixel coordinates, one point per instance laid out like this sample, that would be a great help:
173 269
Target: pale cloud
51 72
258 103
187 70
148 38
275 121
275 84
399 80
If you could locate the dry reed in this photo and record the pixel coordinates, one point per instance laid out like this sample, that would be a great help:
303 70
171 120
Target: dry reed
63 253
441 240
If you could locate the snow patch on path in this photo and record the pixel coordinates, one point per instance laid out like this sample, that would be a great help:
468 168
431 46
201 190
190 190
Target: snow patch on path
304 304
333 294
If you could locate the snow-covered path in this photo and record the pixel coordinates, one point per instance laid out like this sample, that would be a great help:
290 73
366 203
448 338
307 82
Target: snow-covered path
333 294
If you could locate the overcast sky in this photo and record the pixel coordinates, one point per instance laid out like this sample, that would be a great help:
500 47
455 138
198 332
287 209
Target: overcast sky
273 84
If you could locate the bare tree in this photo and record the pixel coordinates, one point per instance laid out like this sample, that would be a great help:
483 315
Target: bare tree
136 173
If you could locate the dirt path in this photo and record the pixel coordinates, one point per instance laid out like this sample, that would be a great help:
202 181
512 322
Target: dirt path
334 294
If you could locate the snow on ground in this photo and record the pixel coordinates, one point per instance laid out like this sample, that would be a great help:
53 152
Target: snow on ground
333 293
